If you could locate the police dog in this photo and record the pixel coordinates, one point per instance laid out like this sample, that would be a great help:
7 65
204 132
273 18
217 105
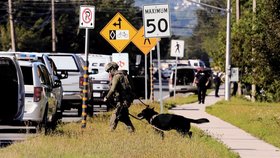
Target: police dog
166 122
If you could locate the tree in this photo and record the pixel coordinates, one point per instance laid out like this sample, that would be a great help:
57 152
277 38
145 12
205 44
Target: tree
207 34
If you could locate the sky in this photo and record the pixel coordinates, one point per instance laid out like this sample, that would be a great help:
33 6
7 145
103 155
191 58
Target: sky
183 17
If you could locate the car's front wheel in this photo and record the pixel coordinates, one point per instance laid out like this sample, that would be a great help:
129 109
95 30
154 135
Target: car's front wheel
171 94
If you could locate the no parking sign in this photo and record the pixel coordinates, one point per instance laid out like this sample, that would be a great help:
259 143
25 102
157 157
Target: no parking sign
87 17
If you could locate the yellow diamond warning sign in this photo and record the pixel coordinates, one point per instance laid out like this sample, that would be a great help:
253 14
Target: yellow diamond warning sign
144 44
118 32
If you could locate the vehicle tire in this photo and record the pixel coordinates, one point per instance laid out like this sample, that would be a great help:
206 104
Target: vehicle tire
108 107
171 94
42 126
45 120
80 110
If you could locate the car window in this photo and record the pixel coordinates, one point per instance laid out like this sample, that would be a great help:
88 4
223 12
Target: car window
27 75
53 66
67 63
82 61
185 76
8 69
44 75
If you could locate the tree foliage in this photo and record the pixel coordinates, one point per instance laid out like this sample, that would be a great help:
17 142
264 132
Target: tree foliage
204 43
255 43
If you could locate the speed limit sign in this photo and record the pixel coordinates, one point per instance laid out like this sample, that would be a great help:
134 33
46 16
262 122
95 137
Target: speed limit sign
156 20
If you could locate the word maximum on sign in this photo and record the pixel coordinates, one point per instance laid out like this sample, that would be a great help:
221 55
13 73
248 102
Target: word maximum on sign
156 10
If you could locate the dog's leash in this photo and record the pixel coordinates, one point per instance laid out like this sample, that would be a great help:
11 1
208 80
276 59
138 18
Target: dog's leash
143 121
134 116
143 102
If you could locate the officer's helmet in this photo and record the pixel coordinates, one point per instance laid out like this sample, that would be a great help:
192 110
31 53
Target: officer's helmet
111 65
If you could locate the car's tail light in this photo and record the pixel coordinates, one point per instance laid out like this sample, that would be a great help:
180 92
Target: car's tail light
37 94
81 81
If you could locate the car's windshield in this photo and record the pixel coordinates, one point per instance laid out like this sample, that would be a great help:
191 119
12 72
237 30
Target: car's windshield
185 76
27 75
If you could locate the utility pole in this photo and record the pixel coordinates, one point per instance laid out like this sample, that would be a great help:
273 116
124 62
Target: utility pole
228 32
53 29
13 41
253 93
228 61
237 11
237 21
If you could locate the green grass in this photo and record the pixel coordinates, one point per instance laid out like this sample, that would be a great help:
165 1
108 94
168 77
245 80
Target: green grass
182 99
179 100
96 141
260 119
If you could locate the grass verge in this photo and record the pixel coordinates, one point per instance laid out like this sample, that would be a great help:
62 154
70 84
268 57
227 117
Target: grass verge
96 141
260 119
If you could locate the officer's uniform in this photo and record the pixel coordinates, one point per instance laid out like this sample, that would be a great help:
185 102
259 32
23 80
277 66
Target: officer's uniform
121 100
201 80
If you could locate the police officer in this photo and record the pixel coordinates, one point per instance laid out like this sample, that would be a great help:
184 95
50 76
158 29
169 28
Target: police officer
201 80
118 93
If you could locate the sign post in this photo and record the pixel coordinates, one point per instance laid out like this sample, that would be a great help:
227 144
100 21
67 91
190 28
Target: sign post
177 50
87 17
145 45
156 20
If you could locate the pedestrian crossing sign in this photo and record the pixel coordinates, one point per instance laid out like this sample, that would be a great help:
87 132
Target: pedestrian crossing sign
144 44
177 48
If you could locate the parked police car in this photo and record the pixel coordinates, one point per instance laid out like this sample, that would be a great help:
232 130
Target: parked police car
12 89
41 103
55 77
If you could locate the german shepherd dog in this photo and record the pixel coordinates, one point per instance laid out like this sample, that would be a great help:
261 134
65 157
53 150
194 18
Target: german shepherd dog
166 122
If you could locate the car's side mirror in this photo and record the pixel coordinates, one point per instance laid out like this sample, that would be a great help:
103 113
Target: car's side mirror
57 83
63 74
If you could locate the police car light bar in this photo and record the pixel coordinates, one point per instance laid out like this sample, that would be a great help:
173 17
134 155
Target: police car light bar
27 57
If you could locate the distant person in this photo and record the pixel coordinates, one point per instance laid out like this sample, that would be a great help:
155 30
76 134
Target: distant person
120 95
201 80
217 82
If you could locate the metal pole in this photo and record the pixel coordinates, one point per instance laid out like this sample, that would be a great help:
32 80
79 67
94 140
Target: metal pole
175 80
85 84
146 79
53 29
151 77
228 67
13 40
159 77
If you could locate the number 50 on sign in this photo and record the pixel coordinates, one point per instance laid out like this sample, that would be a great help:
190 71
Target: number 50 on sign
156 20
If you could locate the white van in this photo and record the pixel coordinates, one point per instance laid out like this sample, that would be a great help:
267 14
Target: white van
196 63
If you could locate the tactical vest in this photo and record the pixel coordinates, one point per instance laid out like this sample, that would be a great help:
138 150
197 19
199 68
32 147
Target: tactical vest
126 92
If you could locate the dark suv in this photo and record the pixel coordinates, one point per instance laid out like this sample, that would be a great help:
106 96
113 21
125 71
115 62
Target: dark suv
184 82
185 77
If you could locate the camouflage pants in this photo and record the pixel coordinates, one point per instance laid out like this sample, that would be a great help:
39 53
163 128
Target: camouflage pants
121 114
